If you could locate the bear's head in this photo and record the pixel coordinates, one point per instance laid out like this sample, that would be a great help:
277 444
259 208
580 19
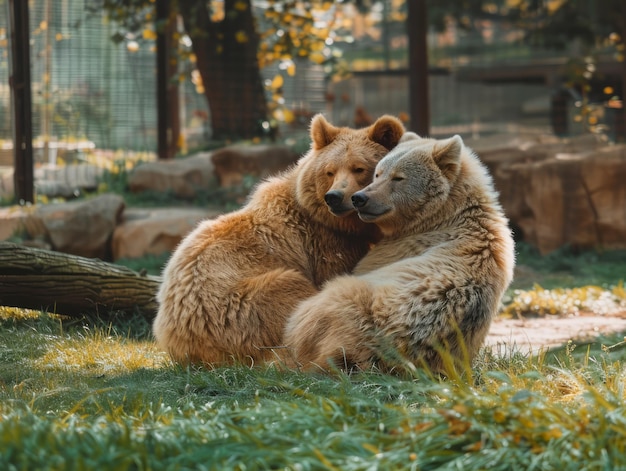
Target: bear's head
411 184
341 162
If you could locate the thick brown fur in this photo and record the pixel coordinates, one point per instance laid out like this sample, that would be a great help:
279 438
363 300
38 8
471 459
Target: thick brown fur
434 282
230 285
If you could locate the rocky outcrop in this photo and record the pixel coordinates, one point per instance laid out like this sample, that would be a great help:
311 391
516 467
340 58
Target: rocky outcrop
555 192
154 231
13 221
208 171
79 227
183 178
233 163
67 181
562 192
7 191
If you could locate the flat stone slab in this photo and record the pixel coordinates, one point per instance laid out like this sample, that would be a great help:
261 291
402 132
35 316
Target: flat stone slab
155 231
543 333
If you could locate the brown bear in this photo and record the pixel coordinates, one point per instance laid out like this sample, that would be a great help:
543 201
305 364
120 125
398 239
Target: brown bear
230 285
434 282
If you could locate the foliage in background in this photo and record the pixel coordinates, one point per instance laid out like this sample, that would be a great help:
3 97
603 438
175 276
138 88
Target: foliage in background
586 31
227 51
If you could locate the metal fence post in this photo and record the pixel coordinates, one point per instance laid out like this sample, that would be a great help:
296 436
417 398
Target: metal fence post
22 101
419 105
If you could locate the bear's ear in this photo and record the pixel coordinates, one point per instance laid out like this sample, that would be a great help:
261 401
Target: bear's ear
322 132
386 131
447 156
409 136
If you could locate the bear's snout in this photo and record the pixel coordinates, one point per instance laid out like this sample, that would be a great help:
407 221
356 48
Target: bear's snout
334 198
359 199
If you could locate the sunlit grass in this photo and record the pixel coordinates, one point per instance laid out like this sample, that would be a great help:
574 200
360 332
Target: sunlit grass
96 393
99 353
17 313
567 301
517 412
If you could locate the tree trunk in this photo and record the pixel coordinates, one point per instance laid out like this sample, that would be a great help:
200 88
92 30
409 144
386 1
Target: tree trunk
620 121
226 57
71 285
168 104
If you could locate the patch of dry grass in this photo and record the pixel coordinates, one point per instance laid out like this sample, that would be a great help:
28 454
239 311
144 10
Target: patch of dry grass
567 301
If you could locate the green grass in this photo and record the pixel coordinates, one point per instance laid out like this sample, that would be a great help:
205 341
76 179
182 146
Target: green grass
97 394
570 268
85 396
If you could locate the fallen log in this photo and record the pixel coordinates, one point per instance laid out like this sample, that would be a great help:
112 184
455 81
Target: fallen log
71 285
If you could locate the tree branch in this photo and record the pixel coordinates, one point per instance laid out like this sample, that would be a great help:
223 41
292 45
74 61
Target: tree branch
71 285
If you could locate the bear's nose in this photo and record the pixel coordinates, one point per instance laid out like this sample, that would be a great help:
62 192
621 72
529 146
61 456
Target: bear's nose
359 200
333 198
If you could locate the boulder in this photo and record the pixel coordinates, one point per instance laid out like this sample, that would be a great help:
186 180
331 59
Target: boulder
79 227
7 191
67 181
233 163
154 231
13 221
566 192
182 177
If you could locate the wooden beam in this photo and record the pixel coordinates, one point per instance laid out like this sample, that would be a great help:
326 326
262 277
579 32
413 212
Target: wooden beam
419 104
22 101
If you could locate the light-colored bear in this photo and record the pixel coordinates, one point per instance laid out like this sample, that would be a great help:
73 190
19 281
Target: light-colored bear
434 282
230 285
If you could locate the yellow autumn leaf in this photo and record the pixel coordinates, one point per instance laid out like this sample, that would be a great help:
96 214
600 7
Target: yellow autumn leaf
317 57
241 5
149 34
288 116
277 82
291 70
241 36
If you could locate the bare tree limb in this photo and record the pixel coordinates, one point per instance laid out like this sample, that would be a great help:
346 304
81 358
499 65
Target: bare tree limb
71 285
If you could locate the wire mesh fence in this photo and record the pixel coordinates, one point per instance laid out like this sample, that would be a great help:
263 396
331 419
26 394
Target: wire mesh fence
92 93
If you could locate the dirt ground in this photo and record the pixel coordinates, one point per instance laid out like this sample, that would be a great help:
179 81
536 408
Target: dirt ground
539 334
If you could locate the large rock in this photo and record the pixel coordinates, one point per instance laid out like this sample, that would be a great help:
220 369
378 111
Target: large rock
154 231
7 191
80 227
13 221
233 163
565 192
67 181
182 177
